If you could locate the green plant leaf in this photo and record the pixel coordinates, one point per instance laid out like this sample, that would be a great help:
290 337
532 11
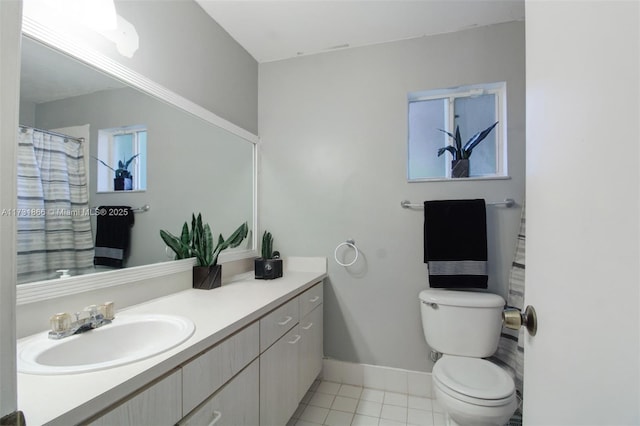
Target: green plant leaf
448 133
449 148
458 144
126 165
208 245
185 236
105 164
476 139
174 243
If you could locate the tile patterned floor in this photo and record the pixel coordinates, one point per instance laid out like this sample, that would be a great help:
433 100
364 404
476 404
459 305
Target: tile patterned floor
335 404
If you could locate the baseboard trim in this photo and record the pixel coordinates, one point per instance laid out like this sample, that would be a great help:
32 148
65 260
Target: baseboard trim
388 379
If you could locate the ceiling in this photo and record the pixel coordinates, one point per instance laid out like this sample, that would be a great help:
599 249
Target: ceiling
275 30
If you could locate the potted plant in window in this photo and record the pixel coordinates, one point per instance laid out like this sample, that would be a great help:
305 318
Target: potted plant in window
461 154
123 179
198 243
269 266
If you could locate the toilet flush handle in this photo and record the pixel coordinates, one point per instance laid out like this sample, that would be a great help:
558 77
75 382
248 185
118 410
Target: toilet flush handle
514 319
433 305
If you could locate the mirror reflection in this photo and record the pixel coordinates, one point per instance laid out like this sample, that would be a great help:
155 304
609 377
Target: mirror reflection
71 116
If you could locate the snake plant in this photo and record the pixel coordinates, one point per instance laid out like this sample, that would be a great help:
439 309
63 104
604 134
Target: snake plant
460 152
267 245
123 167
198 242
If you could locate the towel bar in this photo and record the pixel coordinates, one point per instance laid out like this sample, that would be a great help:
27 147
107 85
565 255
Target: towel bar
508 202
142 209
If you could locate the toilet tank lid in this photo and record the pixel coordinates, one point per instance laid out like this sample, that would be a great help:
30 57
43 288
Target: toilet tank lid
474 299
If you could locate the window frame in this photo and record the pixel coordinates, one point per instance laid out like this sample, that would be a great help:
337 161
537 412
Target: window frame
499 89
107 137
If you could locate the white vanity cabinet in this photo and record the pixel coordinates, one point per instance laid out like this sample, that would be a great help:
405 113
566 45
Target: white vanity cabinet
256 376
289 366
157 405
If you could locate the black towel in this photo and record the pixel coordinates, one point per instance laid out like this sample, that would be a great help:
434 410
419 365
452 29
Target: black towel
455 243
113 235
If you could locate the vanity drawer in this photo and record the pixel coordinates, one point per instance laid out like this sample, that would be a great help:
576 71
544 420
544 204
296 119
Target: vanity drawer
310 299
278 322
207 373
157 405
237 403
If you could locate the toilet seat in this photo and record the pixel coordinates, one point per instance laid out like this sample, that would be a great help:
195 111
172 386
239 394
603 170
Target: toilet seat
473 380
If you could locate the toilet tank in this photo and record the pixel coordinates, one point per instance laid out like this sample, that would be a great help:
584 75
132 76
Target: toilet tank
463 323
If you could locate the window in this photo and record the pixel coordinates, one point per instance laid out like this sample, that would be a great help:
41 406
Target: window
122 146
472 109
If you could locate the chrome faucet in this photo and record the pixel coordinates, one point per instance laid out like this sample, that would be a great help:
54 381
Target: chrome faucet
62 326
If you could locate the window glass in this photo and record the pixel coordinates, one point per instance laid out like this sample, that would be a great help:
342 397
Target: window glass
474 114
472 109
425 118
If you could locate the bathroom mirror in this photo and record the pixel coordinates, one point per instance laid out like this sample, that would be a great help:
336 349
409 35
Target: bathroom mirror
196 162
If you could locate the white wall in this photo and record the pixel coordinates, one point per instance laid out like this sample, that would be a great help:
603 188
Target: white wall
9 94
334 133
185 50
583 192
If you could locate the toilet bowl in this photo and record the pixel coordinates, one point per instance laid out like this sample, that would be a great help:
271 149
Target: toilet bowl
473 391
465 327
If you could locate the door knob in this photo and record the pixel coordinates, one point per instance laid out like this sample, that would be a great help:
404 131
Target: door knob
514 319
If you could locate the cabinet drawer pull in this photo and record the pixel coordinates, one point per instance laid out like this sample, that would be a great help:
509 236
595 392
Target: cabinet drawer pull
217 415
315 299
294 341
286 321
308 327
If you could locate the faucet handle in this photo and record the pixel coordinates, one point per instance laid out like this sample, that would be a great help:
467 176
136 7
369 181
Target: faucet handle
60 322
92 309
107 310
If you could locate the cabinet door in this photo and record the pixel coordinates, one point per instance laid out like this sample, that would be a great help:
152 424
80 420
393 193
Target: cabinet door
160 404
205 374
236 404
279 380
311 349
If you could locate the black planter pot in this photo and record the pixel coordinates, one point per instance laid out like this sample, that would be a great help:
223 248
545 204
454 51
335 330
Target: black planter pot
207 277
460 168
122 184
268 269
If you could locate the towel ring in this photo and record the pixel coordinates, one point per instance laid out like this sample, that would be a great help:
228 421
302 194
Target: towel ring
350 243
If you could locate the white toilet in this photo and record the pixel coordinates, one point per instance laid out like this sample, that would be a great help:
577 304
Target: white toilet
465 327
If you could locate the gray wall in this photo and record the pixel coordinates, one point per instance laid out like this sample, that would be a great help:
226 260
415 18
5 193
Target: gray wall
186 51
333 166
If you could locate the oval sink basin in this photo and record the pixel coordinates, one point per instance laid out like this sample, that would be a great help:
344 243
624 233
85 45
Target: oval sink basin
127 339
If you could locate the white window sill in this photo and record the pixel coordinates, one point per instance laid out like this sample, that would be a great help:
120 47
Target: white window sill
446 179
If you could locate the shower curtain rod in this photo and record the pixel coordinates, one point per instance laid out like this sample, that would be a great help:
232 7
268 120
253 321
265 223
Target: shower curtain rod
62 135
508 202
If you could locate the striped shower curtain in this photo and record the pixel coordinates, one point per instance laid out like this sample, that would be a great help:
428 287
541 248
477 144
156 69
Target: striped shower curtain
54 228
510 353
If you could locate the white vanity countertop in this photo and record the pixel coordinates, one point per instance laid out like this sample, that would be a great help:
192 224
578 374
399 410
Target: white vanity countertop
72 398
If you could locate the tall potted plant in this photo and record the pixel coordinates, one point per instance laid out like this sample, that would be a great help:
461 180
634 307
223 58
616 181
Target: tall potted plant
198 243
461 154
269 266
